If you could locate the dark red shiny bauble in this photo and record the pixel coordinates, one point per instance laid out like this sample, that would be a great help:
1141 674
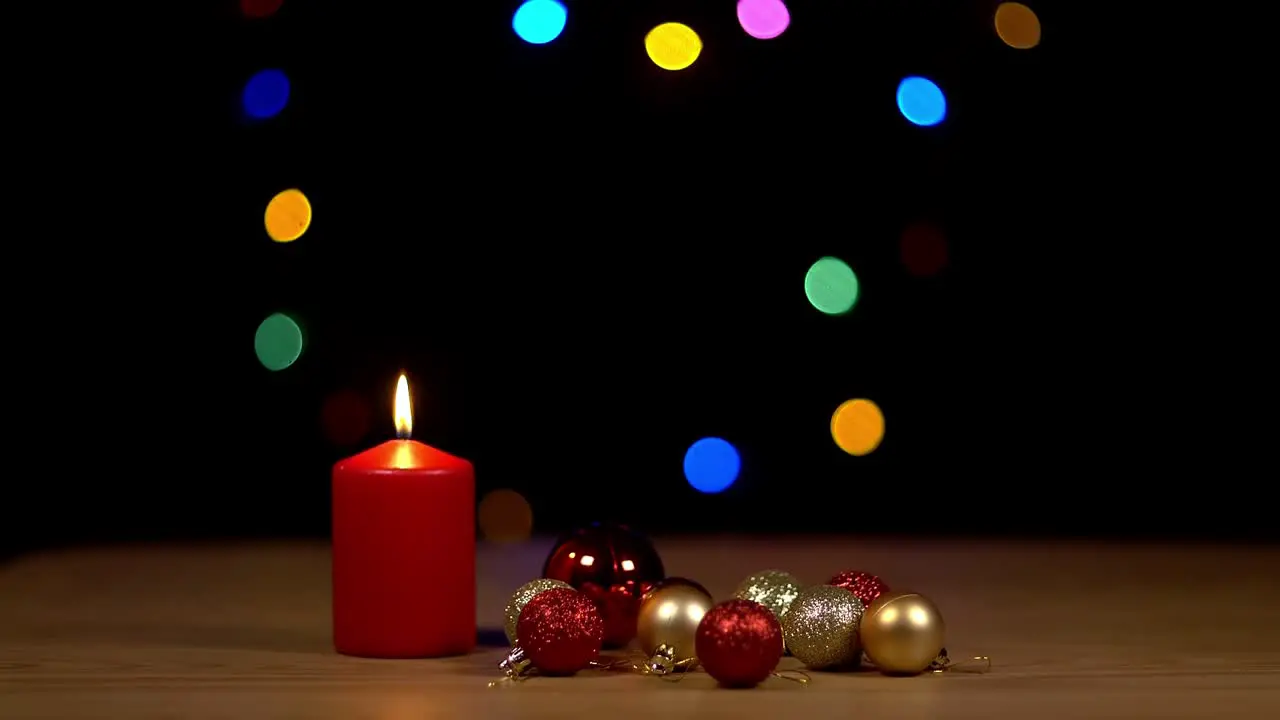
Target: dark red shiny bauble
739 643
614 566
560 631
865 586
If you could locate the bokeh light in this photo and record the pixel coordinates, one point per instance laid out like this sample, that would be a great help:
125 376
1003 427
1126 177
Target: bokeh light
763 19
711 465
278 342
505 516
831 286
921 101
266 94
260 8
1017 25
924 249
538 22
673 46
288 216
345 417
857 426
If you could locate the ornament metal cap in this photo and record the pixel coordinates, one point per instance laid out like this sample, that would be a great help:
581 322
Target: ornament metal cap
663 662
515 664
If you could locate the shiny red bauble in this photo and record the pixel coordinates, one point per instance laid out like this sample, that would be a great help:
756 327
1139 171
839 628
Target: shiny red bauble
865 586
739 643
560 631
614 566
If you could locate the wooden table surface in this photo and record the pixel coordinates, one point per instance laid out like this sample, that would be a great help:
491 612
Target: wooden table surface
242 631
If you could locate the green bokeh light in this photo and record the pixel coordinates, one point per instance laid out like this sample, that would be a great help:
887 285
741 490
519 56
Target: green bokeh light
831 286
278 342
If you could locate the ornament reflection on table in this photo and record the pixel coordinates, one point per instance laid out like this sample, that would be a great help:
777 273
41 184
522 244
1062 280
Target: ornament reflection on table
903 633
520 598
559 633
614 566
821 628
739 643
667 625
865 586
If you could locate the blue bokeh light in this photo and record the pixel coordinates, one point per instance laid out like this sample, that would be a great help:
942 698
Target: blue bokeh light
711 465
921 101
266 94
538 22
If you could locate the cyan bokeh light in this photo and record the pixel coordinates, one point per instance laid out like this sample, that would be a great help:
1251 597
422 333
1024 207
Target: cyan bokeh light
921 101
538 22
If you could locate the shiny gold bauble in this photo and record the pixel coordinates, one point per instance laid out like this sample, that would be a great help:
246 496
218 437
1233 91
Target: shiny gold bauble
773 589
521 597
821 628
902 633
667 625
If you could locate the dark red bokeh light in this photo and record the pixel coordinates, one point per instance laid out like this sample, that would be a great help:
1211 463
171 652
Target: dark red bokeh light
345 418
260 8
924 249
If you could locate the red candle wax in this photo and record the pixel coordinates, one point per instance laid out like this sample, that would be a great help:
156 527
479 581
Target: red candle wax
404 560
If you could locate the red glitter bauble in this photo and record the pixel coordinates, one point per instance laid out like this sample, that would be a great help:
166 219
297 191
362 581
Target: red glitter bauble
560 631
865 586
739 643
614 566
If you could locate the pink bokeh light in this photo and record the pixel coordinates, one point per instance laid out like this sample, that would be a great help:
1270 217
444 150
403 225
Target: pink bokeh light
763 19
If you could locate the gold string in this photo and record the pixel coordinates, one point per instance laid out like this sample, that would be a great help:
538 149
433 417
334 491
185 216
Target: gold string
798 677
975 664
611 665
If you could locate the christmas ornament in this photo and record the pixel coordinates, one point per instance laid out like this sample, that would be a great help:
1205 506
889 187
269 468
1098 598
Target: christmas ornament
668 622
821 628
614 566
903 633
739 643
559 633
773 589
865 586
520 597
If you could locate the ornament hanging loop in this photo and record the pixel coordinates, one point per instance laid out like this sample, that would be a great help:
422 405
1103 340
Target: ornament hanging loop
975 664
798 677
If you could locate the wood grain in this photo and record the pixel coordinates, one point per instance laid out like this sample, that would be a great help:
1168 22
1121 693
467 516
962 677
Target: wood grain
242 631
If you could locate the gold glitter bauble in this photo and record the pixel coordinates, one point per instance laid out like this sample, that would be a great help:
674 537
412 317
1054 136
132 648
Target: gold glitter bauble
521 597
668 623
821 627
903 633
773 589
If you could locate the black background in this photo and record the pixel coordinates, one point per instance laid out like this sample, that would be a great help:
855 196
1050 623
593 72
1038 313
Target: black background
584 266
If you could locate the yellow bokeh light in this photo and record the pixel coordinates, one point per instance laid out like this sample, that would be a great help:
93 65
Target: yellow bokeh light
673 46
505 516
288 216
857 426
1017 25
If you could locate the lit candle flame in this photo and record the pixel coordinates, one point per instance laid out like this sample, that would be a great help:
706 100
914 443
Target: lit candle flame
403 409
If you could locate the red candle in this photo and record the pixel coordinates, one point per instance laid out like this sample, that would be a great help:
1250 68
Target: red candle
404 548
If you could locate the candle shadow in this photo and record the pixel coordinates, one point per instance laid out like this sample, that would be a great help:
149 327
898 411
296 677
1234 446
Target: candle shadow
203 637
491 638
